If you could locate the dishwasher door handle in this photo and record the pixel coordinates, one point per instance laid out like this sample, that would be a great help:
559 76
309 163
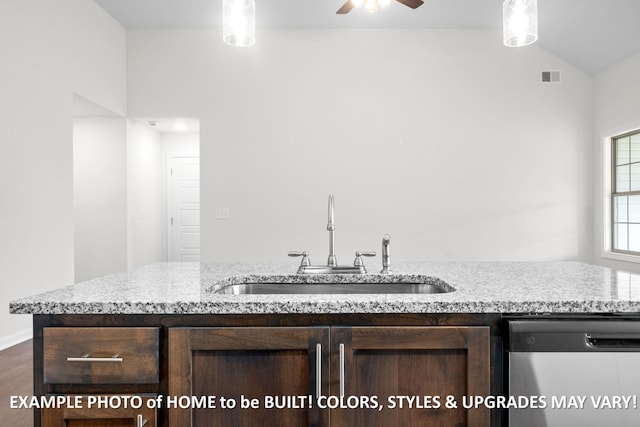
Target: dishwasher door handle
613 341
573 336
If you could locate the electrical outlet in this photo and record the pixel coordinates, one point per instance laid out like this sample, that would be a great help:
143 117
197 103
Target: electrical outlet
222 213
551 76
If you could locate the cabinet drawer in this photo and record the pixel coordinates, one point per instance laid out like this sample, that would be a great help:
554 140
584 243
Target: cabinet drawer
101 355
101 410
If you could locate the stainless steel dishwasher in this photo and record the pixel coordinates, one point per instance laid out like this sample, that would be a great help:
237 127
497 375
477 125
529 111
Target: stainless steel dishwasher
588 372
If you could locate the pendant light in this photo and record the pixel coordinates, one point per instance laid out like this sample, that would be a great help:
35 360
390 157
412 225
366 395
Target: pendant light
371 6
519 22
239 22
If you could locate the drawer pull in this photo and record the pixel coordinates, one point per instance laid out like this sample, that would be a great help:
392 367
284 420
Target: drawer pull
141 422
85 358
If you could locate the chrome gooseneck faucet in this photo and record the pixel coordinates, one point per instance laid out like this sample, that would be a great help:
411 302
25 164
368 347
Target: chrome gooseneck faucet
331 227
332 266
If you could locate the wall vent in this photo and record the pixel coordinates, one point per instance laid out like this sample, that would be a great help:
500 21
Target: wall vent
550 76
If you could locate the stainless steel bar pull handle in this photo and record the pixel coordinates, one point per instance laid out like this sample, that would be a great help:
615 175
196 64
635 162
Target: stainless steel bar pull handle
86 358
318 370
341 370
141 422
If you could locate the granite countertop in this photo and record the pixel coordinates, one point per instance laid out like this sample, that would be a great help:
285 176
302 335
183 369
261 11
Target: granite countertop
480 287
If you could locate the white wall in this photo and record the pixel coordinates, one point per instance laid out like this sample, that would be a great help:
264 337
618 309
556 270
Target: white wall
48 51
100 196
144 162
443 138
616 110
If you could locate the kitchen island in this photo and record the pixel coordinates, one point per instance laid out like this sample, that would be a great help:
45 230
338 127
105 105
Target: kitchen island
162 330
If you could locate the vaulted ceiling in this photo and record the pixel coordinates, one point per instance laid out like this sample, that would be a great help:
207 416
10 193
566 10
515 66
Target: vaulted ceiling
590 34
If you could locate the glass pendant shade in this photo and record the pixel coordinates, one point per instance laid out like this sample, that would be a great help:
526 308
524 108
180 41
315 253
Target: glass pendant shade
371 6
239 22
520 22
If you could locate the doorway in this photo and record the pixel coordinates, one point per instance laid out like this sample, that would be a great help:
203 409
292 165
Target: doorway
156 146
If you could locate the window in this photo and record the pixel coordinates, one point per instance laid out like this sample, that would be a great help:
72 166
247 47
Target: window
625 193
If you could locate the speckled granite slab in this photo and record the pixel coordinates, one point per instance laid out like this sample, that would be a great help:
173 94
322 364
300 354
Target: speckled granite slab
486 287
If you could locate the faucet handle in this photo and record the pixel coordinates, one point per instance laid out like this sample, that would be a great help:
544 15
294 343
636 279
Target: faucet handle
358 261
305 257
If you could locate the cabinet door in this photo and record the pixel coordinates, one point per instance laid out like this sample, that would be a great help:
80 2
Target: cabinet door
95 416
255 362
410 361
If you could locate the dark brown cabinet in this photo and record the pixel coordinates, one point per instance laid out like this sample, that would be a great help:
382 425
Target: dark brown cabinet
250 363
411 370
357 371
101 355
85 416
84 362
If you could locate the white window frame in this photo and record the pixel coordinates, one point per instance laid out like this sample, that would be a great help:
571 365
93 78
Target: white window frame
607 186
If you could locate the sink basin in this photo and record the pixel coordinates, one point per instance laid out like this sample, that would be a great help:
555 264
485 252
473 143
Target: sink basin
332 288
428 286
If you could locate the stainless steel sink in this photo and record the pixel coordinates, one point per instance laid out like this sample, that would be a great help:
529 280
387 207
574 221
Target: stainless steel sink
334 288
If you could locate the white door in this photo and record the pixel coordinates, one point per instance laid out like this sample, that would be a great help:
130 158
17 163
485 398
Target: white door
183 203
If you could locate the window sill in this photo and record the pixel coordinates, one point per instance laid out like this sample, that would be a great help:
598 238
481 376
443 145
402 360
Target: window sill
621 257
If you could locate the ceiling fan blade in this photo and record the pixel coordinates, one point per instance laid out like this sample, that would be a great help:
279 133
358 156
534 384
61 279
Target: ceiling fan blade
346 8
413 4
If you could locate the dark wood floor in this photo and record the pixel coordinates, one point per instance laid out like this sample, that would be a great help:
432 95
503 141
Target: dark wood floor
16 379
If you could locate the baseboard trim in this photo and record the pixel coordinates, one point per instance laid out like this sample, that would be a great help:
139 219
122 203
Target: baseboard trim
16 338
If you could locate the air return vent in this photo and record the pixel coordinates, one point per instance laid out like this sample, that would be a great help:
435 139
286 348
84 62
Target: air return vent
550 76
